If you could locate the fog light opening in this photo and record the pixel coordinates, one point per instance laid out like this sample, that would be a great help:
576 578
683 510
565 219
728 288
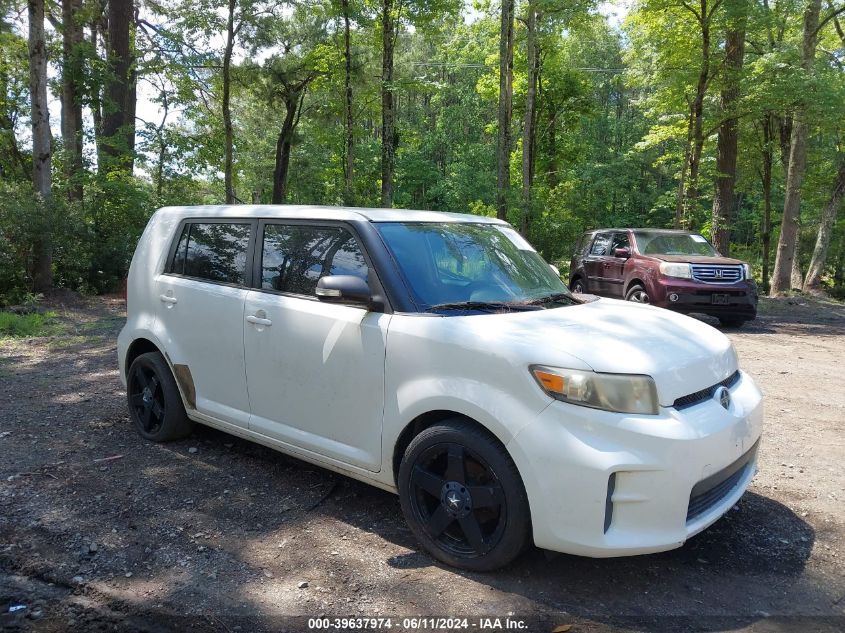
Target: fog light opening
608 503
673 297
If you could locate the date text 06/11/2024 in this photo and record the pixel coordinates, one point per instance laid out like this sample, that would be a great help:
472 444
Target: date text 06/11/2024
419 624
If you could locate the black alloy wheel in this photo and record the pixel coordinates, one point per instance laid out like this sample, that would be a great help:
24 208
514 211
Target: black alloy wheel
155 405
147 398
463 497
578 286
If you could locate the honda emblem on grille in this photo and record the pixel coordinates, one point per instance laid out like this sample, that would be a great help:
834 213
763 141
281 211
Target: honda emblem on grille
723 397
717 273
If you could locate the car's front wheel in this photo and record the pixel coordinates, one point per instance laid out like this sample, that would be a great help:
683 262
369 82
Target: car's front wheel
638 294
577 286
155 405
463 497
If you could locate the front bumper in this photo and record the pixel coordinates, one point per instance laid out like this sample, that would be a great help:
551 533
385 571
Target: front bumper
603 484
693 296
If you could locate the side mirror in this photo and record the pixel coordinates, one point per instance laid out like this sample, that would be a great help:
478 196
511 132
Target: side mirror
343 289
622 252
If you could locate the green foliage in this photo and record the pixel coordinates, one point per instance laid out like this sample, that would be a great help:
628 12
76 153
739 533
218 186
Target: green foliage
22 221
612 114
25 325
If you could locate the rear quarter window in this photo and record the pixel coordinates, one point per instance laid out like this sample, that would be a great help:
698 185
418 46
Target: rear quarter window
213 251
582 244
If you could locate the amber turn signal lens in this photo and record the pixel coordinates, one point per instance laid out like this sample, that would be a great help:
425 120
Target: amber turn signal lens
551 382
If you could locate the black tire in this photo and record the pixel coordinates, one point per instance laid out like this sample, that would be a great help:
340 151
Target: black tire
731 321
638 294
463 498
578 286
155 405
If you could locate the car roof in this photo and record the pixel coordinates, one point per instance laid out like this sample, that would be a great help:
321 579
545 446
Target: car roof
316 212
643 230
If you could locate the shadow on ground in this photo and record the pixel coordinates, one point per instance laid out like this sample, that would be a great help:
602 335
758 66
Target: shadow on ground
218 537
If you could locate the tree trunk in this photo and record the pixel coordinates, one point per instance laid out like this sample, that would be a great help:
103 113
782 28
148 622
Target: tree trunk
348 145
766 177
817 263
118 127
96 94
72 86
724 200
228 140
529 126
796 279
839 267
786 251
388 123
785 133
697 114
284 142
503 141
41 150
162 145
679 195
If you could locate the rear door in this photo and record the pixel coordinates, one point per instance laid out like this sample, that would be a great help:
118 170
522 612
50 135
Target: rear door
200 306
315 370
594 263
614 267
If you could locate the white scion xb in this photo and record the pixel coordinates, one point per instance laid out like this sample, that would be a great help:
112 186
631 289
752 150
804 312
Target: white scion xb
438 356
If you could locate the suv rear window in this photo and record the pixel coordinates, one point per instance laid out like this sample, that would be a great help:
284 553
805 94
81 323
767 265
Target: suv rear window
215 251
294 256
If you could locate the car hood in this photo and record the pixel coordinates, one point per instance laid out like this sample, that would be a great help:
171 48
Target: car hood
698 259
682 354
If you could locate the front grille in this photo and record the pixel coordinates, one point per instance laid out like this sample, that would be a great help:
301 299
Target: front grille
707 493
716 274
692 399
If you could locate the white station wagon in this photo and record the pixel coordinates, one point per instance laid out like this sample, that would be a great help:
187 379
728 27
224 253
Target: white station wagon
438 356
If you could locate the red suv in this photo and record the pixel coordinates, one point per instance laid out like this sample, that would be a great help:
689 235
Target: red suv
679 270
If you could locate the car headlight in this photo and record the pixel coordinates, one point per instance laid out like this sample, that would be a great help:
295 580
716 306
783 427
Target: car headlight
749 274
623 393
671 269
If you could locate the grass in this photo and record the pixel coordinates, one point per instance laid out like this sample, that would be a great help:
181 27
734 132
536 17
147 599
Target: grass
24 325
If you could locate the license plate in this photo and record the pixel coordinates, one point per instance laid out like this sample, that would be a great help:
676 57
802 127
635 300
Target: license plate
720 299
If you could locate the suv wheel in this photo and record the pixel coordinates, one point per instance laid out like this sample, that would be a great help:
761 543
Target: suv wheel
638 294
577 286
463 498
155 405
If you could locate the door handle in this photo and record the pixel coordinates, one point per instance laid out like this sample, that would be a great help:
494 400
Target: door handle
259 321
167 299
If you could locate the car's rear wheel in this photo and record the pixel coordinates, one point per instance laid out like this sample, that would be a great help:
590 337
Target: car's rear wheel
577 286
463 497
155 406
638 294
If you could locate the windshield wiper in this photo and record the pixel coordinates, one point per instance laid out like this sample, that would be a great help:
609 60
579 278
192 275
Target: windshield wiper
558 297
483 305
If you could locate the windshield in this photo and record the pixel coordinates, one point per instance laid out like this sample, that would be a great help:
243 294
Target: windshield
673 244
448 264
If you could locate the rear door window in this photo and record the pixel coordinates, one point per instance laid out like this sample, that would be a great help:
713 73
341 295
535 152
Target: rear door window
601 245
295 256
213 251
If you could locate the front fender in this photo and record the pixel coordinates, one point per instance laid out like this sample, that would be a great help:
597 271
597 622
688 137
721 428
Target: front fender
498 411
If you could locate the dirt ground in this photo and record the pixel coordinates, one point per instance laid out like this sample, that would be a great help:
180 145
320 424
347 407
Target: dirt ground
103 531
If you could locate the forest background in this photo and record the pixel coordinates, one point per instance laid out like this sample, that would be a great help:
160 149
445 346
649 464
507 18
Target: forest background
722 116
